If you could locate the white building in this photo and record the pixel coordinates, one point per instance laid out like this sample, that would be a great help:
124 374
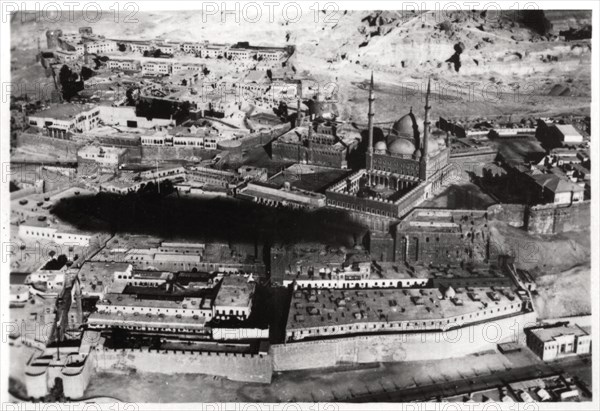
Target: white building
60 119
565 133
124 65
100 47
156 68
107 158
552 343
41 230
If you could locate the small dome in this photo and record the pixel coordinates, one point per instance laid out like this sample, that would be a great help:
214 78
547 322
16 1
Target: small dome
380 146
402 146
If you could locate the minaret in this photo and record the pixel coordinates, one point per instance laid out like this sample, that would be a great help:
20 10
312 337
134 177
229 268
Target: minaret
425 151
371 115
299 108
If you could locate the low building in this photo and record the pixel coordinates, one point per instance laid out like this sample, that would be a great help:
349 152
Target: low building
156 68
555 342
565 133
95 278
124 65
42 230
325 313
91 159
287 196
234 298
128 311
61 119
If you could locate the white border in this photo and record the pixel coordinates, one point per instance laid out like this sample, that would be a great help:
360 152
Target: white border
343 5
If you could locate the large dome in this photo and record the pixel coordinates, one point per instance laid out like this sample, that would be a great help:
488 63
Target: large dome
407 126
402 146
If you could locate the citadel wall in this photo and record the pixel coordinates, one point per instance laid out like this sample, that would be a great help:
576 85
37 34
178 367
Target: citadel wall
400 347
234 366
552 218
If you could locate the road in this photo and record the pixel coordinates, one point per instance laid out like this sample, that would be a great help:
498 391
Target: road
474 383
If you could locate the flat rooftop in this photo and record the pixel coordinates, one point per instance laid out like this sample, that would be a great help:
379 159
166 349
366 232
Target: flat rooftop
65 111
327 307
132 300
551 333
235 291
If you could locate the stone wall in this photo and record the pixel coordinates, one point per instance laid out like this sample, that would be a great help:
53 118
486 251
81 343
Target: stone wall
165 153
512 214
236 367
553 219
65 148
400 347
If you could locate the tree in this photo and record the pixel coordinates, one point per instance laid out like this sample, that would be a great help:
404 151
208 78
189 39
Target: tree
86 73
146 53
69 82
157 53
122 47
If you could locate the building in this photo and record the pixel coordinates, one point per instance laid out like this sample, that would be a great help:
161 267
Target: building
124 65
60 120
234 298
287 196
402 171
192 257
133 312
156 68
95 278
92 158
550 188
566 134
441 236
555 342
41 230
319 139
327 313
554 135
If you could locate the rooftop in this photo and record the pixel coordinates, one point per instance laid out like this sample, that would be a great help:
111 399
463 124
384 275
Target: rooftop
551 333
132 300
235 291
322 308
64 111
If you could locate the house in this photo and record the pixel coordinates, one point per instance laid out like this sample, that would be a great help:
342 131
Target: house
551 343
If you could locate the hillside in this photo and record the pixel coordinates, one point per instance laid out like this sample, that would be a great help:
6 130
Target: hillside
504 66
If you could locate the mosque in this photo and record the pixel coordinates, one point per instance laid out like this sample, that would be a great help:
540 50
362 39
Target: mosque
407 167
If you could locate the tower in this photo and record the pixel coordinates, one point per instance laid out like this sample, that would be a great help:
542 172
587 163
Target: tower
425 143
299 107
371 115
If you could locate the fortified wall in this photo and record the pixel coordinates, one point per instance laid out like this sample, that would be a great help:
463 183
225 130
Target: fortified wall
234 366
544 218
400 347
553 219
64 148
